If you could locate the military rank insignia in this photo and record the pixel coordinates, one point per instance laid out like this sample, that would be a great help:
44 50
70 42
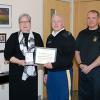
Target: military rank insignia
95 38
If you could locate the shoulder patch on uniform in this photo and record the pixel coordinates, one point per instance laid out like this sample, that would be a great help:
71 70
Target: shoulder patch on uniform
66 33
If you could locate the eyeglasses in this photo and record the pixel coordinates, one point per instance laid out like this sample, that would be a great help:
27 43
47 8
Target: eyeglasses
24 22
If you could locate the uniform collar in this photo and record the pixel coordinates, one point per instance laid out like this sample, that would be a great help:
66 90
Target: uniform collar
93 29
55 33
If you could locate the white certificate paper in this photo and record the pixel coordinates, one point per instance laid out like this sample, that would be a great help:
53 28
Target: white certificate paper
29 58
45 55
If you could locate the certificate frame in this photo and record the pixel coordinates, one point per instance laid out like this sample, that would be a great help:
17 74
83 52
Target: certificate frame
45 55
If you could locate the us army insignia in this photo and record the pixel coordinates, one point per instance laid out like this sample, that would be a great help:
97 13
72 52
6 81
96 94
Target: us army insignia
95 38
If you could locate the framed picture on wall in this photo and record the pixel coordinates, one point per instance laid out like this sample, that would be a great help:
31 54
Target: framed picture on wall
2 41
5 15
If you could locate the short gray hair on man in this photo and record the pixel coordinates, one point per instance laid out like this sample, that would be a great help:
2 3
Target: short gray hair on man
61 16
24 15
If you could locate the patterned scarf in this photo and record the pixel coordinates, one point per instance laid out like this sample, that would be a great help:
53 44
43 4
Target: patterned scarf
29 70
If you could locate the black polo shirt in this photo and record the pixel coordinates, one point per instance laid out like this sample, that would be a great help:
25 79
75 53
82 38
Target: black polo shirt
88 43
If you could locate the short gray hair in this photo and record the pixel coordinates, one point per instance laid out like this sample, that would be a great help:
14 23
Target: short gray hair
23 15
61 16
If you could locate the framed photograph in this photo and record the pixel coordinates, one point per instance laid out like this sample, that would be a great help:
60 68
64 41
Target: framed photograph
2 41
5 15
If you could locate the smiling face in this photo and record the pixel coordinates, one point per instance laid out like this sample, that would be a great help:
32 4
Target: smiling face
57 23
92 20
25 24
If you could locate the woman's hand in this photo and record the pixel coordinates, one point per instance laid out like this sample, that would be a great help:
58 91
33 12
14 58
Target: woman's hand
22 62
17 61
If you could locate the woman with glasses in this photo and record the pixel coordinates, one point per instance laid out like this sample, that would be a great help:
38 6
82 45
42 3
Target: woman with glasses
23 74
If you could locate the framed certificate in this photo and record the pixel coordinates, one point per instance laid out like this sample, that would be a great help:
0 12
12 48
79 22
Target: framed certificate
45 55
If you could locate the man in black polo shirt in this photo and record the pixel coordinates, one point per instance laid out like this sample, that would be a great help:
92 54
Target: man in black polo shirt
88 57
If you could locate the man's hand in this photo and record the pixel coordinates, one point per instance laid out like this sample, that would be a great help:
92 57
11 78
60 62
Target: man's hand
48 65
85 68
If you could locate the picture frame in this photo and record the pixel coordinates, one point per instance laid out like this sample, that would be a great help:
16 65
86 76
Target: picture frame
2 41
5 15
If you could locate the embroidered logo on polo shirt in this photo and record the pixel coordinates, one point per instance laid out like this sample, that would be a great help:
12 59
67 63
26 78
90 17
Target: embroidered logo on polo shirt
95 38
